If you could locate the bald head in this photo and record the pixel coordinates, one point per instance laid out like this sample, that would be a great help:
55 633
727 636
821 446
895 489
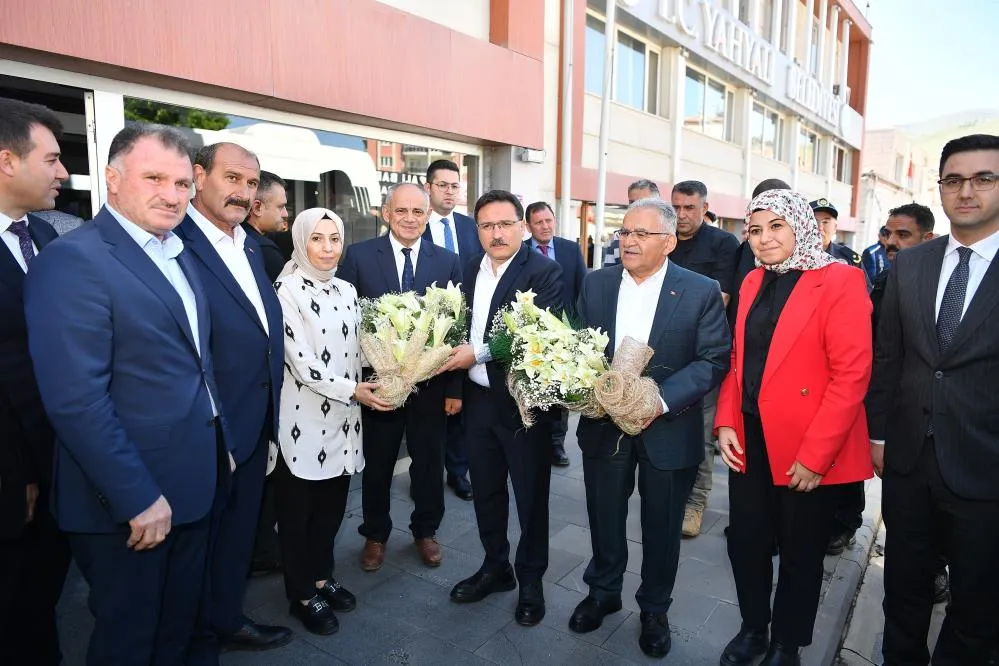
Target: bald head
406 211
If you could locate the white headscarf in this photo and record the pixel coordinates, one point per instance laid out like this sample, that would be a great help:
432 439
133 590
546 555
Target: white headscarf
305 223
794 209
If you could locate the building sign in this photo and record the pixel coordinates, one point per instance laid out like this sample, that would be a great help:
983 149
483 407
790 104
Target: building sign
806 91
389 178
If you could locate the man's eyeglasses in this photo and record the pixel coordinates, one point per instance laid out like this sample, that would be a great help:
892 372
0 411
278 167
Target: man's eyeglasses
640 234
983 182
502 225
448 187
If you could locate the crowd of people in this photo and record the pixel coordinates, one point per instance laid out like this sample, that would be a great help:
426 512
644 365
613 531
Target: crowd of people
182 402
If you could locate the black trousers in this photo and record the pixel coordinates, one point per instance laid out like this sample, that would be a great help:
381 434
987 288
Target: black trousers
145 604
309 516
759 513
455 455
926 519
609 482
496 453
849 514
560 426
265 546
32 572
422 421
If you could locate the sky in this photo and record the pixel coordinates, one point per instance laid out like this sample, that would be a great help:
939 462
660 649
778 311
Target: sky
931 58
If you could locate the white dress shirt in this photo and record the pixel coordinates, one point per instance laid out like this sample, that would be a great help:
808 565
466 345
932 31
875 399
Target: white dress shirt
982 254
436 225
231 251
485 287
636 308
400 258
11 241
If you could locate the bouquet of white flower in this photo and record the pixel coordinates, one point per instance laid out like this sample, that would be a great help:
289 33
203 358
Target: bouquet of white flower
407 338
548 361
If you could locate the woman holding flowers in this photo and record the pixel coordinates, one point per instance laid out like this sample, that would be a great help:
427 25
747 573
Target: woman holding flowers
790 422
320 420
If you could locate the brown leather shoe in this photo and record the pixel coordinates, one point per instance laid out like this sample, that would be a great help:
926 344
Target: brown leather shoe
430 551
373 555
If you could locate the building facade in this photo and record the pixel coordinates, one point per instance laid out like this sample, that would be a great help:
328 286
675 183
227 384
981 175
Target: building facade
340 97
729 92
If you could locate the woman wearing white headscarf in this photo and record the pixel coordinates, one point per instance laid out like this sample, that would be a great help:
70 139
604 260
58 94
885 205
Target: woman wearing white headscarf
790 422
320 420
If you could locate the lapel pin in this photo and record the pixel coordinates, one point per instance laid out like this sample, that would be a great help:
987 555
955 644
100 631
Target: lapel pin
672 293
250 250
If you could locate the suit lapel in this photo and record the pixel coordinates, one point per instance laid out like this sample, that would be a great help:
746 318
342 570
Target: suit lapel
799 307
927 280
747 296
186 262
10 271
272 308
134 258
985 300
669 297
502 295
41 232
387 264
612 289
425 266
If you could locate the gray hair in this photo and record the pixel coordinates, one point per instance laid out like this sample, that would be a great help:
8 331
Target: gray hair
644 184
667 214
398 186
125 140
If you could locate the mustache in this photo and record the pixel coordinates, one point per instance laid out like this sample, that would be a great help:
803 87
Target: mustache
891 248
236 201
498 242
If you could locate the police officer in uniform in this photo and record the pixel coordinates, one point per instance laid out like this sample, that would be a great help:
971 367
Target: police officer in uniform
826 214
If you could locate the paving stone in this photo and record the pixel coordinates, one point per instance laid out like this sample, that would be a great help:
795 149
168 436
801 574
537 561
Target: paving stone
298 652
542 645
713 579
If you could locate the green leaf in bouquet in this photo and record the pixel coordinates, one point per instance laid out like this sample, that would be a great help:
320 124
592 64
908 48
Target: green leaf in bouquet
501 346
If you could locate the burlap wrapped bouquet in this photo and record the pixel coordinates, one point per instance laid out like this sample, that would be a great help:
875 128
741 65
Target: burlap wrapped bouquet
622 393
407 338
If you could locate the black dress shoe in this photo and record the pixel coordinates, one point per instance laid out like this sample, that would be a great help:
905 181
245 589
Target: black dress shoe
781 655
746 646
531 606
462 487
559 459
337 596
590 613
316 616
482 584
839 543
941 587
654 640
253 636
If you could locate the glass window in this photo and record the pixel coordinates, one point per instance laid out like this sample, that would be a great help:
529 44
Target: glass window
694 100
706 106
813 56
630 83
767 19
652 100
808 151
594 73
785 13
843 165
766 127
385 161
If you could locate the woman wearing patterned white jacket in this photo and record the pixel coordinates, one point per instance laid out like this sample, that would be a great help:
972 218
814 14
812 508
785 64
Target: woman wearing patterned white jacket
320 420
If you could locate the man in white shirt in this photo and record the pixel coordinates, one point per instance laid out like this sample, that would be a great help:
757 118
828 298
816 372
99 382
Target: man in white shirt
932 418
690 337
500 448
453 231
248 348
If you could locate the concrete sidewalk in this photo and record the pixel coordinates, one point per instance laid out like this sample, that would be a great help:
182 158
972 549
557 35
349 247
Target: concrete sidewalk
404 615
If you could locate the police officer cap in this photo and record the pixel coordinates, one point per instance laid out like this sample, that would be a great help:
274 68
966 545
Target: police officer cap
824 205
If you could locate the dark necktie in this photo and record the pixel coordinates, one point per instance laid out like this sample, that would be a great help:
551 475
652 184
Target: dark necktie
952 304
544 249
408 278
448 236
20 229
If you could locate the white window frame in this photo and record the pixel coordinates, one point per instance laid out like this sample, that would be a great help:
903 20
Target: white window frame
816 166
781 124
649 48
847 163
729 122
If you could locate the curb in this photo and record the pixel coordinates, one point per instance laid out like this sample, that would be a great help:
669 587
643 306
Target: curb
837 602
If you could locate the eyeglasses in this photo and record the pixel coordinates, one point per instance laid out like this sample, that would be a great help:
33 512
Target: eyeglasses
982 182
502 225
448 187
640 234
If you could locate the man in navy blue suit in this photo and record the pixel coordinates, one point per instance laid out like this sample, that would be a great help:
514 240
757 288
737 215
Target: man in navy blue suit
689 334
400 261
248 349
500 448
453 231
34 555
118 327
541 223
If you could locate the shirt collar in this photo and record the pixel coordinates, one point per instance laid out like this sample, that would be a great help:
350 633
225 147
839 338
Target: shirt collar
487 265
435 217
655 278
535 244
985 248
214 234
171 245
397 246
5 222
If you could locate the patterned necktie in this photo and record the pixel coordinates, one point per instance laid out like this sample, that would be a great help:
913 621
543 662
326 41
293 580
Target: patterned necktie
20 229
952 304
408 278
544 249
448 236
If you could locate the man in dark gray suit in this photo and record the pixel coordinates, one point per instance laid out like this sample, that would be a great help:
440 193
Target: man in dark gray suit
933 421
690 336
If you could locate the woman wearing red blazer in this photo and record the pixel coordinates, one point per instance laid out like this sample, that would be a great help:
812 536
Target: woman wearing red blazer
790 422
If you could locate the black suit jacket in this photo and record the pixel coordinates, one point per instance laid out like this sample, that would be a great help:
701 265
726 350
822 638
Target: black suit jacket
570 257
270 252
370 267
26 436
914 384
692 343
528 270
